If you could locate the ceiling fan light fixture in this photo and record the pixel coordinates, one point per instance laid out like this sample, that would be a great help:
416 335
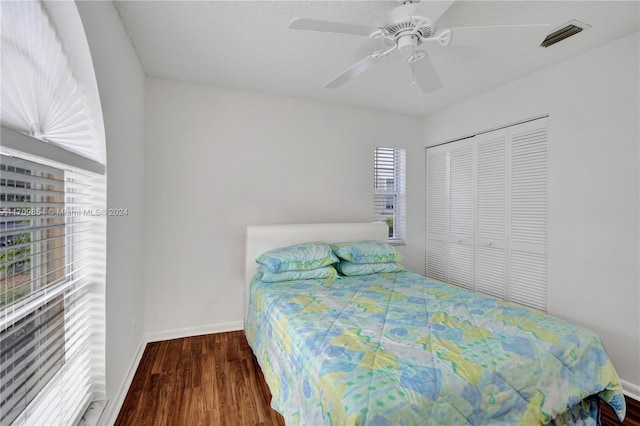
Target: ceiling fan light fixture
567 30
407 42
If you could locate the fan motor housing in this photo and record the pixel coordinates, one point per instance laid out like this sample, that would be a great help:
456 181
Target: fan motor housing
402 20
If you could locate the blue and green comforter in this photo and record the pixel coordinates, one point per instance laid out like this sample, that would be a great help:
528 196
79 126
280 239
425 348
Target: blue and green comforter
401 349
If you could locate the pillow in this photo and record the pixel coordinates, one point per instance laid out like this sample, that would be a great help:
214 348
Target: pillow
366 252
311 274
300 257
350 268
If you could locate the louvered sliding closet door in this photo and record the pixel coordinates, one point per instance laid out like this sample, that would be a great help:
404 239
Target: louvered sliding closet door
461 214
437 214
491 216
528 221
487 213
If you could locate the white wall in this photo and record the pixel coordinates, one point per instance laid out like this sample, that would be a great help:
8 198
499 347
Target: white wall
218 160
594 185
121 85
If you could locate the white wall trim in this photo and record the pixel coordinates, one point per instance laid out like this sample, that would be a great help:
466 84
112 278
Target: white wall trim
111 411
179 333
630 390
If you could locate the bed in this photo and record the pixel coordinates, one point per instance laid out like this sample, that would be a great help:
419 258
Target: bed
398 348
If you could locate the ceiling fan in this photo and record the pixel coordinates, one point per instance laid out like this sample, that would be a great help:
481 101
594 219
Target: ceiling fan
410 29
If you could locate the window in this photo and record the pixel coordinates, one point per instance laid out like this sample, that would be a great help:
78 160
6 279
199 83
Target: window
32 345
47 216
52 224
390 191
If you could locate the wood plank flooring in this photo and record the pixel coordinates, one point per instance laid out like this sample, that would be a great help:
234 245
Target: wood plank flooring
609 418
215 380
203 380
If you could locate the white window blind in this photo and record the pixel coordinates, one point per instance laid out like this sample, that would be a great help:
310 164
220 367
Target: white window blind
48 86
390 191
51 227
52 223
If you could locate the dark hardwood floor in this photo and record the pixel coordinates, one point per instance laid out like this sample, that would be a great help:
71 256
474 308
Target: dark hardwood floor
215 380
202 380
609 418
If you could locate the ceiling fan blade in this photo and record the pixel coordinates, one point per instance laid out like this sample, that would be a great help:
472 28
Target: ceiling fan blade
426 75
353 71
503 35
331 27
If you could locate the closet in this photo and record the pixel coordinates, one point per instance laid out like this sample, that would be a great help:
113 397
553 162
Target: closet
487 213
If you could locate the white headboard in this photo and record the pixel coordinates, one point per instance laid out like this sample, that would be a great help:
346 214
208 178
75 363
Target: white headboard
268 237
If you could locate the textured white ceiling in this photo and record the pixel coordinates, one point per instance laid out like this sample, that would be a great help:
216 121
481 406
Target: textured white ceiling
247 45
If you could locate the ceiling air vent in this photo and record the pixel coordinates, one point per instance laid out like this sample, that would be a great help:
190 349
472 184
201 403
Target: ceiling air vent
567 30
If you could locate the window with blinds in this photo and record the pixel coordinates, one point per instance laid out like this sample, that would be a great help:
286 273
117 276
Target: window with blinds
52 223
48 218
390 191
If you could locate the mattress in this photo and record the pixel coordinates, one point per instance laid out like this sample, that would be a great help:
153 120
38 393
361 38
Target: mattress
398 348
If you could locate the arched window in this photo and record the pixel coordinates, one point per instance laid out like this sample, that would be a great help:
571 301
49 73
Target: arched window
52 217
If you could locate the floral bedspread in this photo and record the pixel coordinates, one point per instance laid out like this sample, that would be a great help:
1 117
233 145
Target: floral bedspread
400 349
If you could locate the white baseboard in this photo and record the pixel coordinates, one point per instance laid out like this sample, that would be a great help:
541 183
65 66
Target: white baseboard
110 413
179 333
631 390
